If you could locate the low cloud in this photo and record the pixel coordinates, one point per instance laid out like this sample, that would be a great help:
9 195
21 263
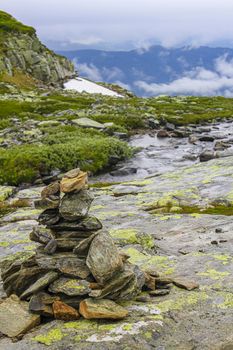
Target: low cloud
94 73
89 71
199 81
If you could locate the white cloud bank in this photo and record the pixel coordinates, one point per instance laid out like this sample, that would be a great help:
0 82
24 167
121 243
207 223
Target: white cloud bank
200 82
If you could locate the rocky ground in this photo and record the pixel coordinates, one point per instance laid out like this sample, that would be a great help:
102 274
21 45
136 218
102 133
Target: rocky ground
174 222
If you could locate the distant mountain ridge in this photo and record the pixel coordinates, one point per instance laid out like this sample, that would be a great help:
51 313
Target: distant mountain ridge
157 65
24 57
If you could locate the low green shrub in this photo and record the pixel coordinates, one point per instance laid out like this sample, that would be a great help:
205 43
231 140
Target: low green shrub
24 163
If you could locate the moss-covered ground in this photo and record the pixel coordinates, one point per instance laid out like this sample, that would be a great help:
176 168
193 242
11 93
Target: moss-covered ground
63 146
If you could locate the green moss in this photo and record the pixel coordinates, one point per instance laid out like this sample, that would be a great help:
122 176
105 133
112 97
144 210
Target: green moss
53 336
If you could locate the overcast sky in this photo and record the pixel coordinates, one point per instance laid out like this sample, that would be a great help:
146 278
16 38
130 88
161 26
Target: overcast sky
127 23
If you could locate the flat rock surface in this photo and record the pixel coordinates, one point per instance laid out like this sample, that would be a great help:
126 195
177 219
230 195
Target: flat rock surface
15 319
195 246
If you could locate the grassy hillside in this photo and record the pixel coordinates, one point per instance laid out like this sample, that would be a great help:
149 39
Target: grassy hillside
10 24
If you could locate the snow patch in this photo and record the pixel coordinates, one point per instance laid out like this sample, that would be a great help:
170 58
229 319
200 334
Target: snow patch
84 85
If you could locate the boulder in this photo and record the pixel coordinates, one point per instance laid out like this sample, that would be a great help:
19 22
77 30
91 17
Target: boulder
162 133
75 205
15 317
107 309
64 312
103 258
88 123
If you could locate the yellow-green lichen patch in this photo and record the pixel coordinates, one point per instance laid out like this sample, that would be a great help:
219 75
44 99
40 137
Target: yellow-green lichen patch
214 274
223 258
180 302
53 336
228 300
132 236
81 325
146 261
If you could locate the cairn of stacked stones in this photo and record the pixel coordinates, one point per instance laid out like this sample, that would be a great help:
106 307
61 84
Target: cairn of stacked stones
77 269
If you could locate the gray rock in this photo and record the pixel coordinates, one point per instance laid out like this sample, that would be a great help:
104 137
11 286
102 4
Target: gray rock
75 206
88 123
89 223
70 287
15 318
40 284
41 304
49 217
67 263
83 247
103 258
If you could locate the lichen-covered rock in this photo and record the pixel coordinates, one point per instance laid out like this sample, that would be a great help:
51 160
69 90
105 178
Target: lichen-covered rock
104 308
40 284
81 227
75 205
49 217
70 287
82 248
15 318
103 258
67 263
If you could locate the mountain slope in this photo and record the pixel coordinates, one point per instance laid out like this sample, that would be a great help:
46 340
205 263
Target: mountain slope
22 54
158 65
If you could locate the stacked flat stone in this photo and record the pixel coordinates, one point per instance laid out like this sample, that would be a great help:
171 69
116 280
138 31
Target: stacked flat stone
77 265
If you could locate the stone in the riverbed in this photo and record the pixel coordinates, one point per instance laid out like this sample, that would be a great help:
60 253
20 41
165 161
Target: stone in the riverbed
162 133
83 247
206 155
185 283
64 312
104 308
125 171
41 304
74 180
70 287
89 223
103 258
49 217
40 284
15 318
67 263
75 205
